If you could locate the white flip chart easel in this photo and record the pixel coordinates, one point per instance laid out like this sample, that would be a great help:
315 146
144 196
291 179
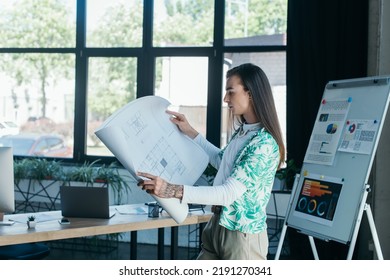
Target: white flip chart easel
329 195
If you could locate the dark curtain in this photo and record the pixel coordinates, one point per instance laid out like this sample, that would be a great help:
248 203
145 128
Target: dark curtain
326 40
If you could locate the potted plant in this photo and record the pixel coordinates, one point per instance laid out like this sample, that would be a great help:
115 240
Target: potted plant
209 174
117 182
84 173
31 223
93 175
37 183
37 169
286 175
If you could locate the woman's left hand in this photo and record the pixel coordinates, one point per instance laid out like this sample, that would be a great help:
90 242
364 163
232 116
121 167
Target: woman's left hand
156 185
159 187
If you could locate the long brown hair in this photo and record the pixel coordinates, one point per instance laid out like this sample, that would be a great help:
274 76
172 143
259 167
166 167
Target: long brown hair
256 82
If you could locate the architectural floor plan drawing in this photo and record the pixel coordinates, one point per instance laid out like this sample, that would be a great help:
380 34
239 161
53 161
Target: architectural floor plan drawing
163 160
142 138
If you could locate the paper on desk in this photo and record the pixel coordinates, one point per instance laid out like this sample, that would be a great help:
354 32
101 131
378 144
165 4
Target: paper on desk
130 210
39 218
142 137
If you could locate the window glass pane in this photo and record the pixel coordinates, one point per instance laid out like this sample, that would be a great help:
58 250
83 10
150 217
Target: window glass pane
185 87
114 23
255 22
274 66
111 85
37 24
183 23
41 147
37 97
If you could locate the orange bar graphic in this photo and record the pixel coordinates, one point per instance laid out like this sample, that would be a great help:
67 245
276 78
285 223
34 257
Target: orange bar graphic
314 188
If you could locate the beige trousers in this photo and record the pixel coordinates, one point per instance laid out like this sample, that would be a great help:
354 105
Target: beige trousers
219 243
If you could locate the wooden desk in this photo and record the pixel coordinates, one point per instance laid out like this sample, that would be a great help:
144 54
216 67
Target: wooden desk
80 227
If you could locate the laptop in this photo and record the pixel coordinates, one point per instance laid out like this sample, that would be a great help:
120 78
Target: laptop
85 202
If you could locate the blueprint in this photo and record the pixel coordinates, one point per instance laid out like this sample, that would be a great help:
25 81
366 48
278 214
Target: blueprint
142 137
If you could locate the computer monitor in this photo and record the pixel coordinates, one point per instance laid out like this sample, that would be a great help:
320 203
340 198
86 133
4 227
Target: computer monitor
7 196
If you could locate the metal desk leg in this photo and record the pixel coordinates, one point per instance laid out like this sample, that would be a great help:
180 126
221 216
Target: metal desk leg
160 244
133 245
174 242
201 228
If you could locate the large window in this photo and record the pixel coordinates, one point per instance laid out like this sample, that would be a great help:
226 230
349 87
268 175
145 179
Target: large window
112 82
37 74
184 84
255 22
183 23
114 23
66 65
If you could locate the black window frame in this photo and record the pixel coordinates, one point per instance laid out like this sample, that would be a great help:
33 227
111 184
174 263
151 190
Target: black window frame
146 56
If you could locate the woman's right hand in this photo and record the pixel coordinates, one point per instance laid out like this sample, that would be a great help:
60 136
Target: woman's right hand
181 121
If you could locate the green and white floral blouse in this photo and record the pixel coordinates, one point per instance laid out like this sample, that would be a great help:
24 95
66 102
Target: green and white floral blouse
255 167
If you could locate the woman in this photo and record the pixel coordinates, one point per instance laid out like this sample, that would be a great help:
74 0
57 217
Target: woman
246 170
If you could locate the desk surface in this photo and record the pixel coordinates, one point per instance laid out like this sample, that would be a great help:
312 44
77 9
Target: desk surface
49 229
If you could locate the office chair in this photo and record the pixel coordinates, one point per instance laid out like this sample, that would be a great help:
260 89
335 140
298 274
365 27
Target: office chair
28 251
